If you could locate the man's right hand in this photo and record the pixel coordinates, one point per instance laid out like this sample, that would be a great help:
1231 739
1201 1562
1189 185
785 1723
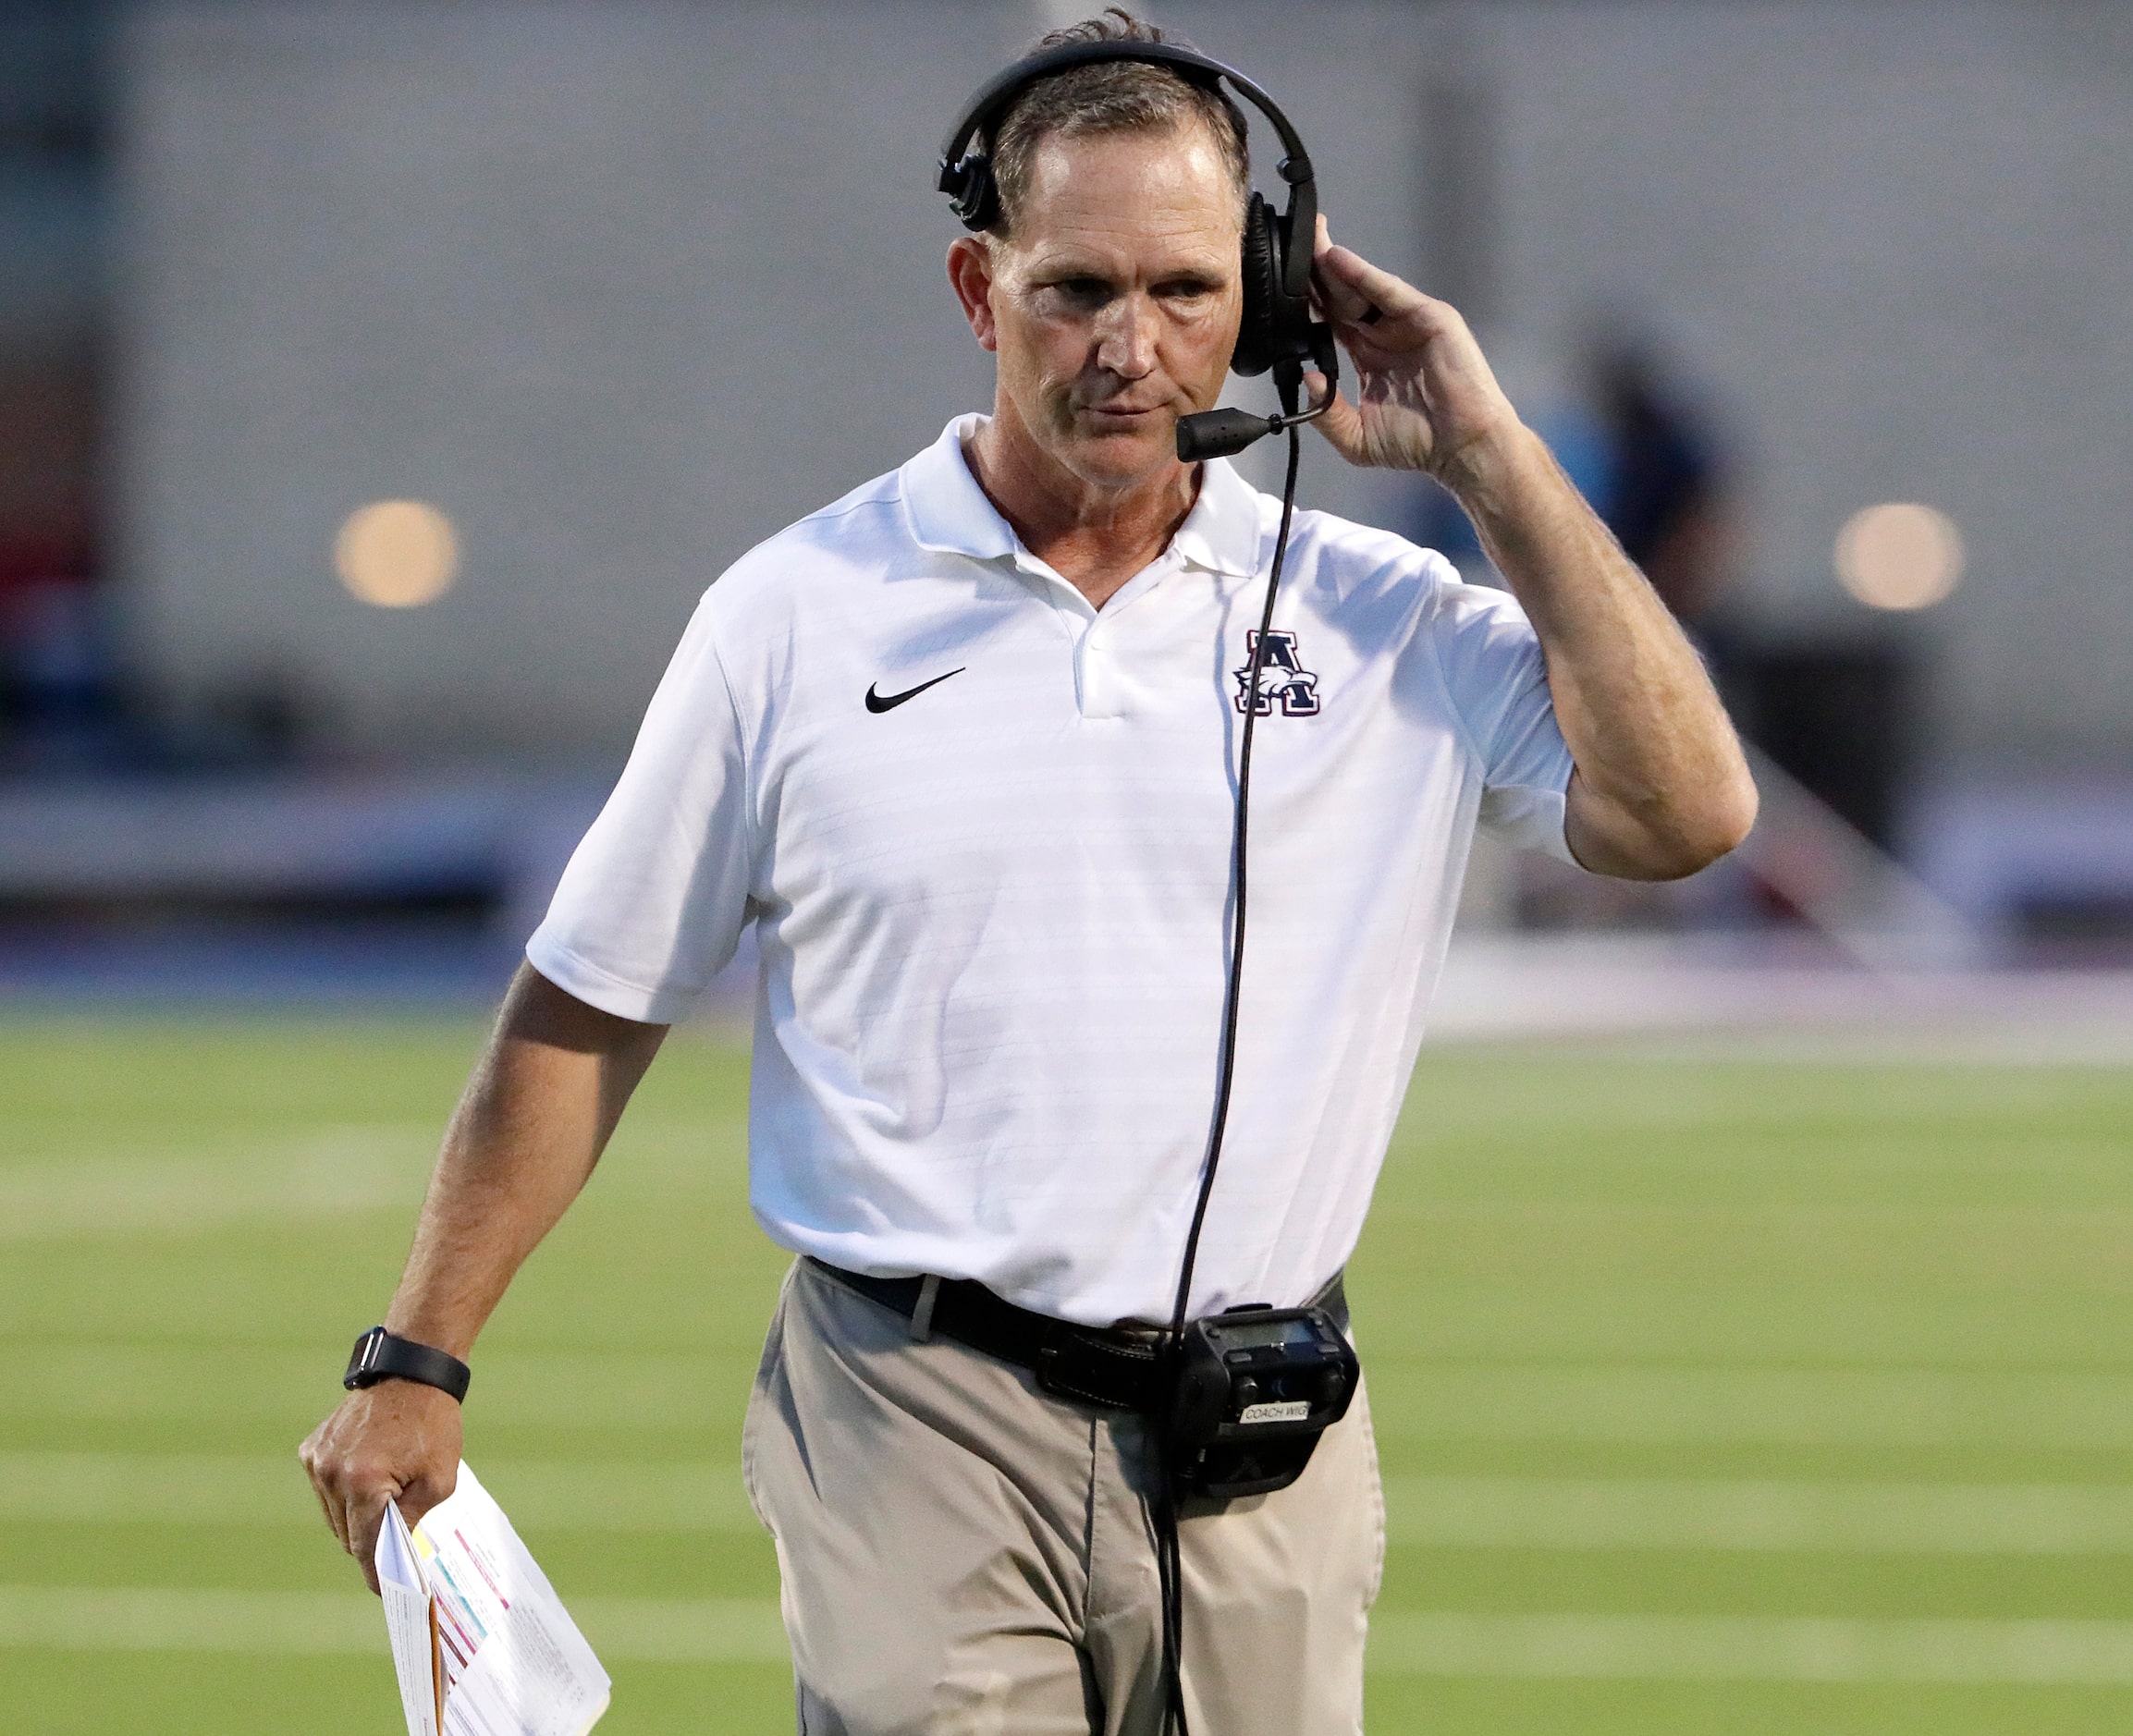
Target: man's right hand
399 1440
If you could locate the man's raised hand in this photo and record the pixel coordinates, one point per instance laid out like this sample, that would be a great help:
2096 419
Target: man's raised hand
1426 398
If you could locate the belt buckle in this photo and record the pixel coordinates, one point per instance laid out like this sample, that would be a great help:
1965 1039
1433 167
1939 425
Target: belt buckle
1074 1365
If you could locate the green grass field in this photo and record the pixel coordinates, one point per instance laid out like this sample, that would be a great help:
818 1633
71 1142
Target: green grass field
1750 1396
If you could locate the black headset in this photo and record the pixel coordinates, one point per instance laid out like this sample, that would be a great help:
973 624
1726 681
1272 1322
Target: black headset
1277 331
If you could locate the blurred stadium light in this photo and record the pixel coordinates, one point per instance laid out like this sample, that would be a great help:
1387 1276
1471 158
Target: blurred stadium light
397 553
1899 555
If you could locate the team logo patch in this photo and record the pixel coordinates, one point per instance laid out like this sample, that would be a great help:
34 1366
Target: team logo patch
1283 676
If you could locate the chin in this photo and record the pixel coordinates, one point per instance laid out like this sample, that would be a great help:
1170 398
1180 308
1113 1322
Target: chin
1124 456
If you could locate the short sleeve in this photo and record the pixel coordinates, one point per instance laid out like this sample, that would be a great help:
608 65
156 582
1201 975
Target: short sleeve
1498 680
653 903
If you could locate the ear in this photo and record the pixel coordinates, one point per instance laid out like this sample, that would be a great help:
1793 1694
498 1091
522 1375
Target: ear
970 275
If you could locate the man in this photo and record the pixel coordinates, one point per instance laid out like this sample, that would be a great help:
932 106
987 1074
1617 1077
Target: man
960 748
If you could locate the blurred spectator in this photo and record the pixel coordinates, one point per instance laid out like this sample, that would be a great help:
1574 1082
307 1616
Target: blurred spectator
1647 462
1664 493
57 692
58 698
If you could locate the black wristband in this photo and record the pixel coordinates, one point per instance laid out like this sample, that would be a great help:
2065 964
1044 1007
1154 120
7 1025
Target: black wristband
382 1355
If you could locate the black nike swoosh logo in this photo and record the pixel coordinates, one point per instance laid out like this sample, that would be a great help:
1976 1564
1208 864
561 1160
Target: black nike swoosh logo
889 702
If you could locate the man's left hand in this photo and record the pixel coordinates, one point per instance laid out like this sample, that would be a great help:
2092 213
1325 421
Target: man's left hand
1427 400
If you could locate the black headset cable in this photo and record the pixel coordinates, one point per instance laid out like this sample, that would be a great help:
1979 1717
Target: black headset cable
1169 1563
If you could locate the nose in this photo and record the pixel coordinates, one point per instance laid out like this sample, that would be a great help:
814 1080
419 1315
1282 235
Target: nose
1126 338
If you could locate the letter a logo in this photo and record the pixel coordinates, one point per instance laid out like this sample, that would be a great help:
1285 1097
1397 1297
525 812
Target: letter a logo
1281 676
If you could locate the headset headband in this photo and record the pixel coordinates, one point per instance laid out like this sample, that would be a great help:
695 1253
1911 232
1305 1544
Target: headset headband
991 102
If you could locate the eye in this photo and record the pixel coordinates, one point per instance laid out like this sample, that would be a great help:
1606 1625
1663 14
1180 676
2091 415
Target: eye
1188 289
1086 293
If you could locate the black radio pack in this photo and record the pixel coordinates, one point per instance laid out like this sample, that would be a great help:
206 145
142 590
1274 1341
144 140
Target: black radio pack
1254 1388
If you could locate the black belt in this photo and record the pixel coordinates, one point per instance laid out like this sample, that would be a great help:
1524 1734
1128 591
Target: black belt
1116 1368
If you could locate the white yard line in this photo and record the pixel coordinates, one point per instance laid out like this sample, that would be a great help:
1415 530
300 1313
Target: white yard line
1856 1407
138 1489
1587 1401
1841 1518
1440 1513
292 1386
65 1618
1676 1648
1754 1648
68 1617
331 1172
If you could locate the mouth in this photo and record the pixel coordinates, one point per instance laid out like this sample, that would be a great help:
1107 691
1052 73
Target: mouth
1126 414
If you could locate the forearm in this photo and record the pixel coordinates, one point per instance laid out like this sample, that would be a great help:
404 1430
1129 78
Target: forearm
527 1134
529 1130
501 1182
1660 788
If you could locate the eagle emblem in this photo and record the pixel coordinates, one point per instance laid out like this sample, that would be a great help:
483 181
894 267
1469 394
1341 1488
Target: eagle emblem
1283 676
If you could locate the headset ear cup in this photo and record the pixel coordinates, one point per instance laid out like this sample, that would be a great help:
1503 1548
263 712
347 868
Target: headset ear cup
1262 280
977 200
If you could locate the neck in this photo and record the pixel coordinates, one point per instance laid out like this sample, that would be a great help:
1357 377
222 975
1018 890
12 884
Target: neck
1095 537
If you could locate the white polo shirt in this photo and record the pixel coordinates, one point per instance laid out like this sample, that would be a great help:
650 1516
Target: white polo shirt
982 831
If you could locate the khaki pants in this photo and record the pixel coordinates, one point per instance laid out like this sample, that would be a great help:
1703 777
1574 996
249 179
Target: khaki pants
963 1554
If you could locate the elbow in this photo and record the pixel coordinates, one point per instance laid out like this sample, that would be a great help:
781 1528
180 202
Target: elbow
1664 840
1704 831
1736 815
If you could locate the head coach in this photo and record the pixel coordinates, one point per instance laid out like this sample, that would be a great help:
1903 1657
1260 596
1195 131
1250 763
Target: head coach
962 748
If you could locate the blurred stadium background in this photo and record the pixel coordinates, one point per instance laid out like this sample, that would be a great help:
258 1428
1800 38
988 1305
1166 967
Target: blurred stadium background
1747 1298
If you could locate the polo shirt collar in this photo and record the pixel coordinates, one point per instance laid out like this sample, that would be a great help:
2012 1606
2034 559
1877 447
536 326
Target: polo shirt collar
1221 532
950 514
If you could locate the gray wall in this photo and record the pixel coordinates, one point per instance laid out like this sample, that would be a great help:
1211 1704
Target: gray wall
1899 245
625 288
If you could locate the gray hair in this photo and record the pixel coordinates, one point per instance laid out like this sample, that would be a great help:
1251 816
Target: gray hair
1111 96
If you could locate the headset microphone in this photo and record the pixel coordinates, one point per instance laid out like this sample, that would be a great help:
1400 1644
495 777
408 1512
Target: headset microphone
1220 433
1216 433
